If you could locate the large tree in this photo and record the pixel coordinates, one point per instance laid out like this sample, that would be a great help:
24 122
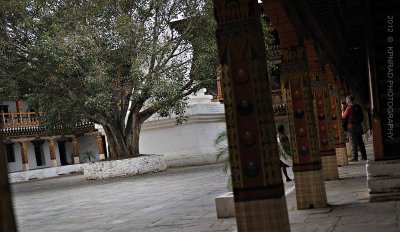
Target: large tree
115 63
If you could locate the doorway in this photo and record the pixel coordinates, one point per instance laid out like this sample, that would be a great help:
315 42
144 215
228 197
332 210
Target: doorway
63 153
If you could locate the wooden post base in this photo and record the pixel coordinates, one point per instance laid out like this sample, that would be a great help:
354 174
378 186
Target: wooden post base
348 150
310 190
341 156
329 167
54 163
25 167
262 215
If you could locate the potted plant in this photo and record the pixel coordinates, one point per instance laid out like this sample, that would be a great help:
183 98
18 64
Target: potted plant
88 156
223 155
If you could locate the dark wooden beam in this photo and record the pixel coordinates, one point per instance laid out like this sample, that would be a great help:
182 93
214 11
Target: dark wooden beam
7 220
307 23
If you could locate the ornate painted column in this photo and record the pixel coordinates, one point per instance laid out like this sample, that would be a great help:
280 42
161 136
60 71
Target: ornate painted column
7 219
100 146
52 153
295 84
322 112
260 202
75 150
310 187
24 154
324 124
336 116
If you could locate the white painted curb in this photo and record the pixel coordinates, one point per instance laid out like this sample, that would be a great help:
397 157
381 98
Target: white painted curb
125 167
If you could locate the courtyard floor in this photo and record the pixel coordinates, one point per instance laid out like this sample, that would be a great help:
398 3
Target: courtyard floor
174 200
183 200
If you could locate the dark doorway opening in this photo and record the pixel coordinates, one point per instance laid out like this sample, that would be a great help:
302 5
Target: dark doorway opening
105 150
39 153
63 153
3 108
10 152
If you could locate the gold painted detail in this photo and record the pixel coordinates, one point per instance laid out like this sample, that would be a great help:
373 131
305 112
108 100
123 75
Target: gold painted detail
269 146
321 99
234 155
240 19
295 77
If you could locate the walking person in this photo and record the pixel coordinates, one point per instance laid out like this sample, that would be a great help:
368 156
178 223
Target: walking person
352 115
285 154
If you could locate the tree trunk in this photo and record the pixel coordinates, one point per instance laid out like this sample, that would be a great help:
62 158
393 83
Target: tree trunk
124 145
137 125
123 141
116 142
133 134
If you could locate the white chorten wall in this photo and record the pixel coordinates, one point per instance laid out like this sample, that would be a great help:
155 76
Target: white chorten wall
189 143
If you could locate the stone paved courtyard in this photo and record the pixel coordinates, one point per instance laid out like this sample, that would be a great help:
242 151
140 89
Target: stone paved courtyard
175 200
183 200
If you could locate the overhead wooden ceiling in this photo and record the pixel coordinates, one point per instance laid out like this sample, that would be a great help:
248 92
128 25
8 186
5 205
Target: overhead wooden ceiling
340 29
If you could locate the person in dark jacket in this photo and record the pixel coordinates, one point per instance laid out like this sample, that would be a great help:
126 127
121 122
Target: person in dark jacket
354 128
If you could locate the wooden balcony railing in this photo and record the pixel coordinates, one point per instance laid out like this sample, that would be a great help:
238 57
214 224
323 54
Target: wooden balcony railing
83 127
20 119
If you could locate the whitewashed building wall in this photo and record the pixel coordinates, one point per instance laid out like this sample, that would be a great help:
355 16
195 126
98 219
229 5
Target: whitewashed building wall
189 143
85 143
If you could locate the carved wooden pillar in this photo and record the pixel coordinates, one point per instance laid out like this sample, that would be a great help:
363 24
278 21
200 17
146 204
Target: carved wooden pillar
322 113
219 97
219 86
324 124
24 154
75 150
52 153
100 146
336 116
260 202
7 220
18 104
310 188
295 84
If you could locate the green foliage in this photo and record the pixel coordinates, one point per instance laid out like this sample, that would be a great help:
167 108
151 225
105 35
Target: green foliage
269 45
108 61
268 39
223 155
87 155
8 90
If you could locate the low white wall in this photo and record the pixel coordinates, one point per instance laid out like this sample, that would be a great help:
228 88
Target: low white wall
189 143
124 167
45 173
383 176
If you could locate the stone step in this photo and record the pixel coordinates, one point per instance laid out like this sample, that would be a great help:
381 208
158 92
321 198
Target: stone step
225 205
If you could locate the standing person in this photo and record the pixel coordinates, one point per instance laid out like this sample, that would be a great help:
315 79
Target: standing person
285 154
353 115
